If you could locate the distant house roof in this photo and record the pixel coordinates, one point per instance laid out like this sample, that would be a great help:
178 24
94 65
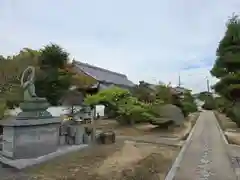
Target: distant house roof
103 75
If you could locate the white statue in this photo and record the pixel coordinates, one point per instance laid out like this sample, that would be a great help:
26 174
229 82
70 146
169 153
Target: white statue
28 86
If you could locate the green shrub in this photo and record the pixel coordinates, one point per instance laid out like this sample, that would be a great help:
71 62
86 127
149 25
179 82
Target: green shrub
209 103
109 98
234 113
189 107
188 104
228 111
208 106
131 111
128 109
147 117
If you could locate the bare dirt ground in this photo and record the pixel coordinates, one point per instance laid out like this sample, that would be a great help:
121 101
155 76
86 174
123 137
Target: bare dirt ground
124 160
147 129
121 161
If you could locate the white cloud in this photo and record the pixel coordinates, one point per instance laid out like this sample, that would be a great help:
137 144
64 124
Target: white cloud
151 40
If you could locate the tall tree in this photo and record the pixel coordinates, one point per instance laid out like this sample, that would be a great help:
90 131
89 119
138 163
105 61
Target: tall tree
11 69
164 94
188 103
79 79
53 56
203 95
144 92
53 80
227 65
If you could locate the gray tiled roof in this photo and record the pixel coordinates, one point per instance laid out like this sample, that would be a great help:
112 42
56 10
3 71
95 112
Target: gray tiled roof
103 75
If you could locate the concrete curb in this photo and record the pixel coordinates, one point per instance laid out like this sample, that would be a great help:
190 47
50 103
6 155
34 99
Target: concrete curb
172 172
236 170
220 129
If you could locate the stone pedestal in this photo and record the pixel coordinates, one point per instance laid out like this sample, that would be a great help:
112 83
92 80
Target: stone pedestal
30 138
34 109
33 133
76 132
80 131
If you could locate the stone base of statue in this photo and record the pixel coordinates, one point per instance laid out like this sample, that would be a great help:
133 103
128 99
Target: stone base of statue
36 108
33 133
30 138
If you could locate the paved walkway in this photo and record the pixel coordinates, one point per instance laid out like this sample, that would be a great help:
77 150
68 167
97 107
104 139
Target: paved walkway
206 156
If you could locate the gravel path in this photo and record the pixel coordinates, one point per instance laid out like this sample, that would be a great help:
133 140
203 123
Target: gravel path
153 139
206 156
6 172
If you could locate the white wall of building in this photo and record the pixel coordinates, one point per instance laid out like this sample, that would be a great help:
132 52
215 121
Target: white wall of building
100 110
59 110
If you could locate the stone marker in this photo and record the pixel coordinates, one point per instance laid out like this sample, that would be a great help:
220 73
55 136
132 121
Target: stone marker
34 132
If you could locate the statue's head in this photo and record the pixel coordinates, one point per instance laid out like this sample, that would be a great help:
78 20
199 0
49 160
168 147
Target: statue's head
28 75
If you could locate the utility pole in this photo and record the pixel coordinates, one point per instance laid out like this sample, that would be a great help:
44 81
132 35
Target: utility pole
208 89
179 80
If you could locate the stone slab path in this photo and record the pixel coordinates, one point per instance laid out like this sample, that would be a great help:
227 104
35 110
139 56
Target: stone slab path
206 156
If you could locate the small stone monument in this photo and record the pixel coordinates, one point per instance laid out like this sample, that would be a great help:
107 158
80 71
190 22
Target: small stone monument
79 130
34 132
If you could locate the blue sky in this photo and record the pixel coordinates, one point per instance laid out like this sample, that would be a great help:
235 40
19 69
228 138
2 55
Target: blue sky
147 40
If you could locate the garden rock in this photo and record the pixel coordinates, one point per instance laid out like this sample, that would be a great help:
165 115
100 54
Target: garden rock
172 113
162 122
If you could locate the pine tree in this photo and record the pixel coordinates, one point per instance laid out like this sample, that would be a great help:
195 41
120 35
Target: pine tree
227 65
